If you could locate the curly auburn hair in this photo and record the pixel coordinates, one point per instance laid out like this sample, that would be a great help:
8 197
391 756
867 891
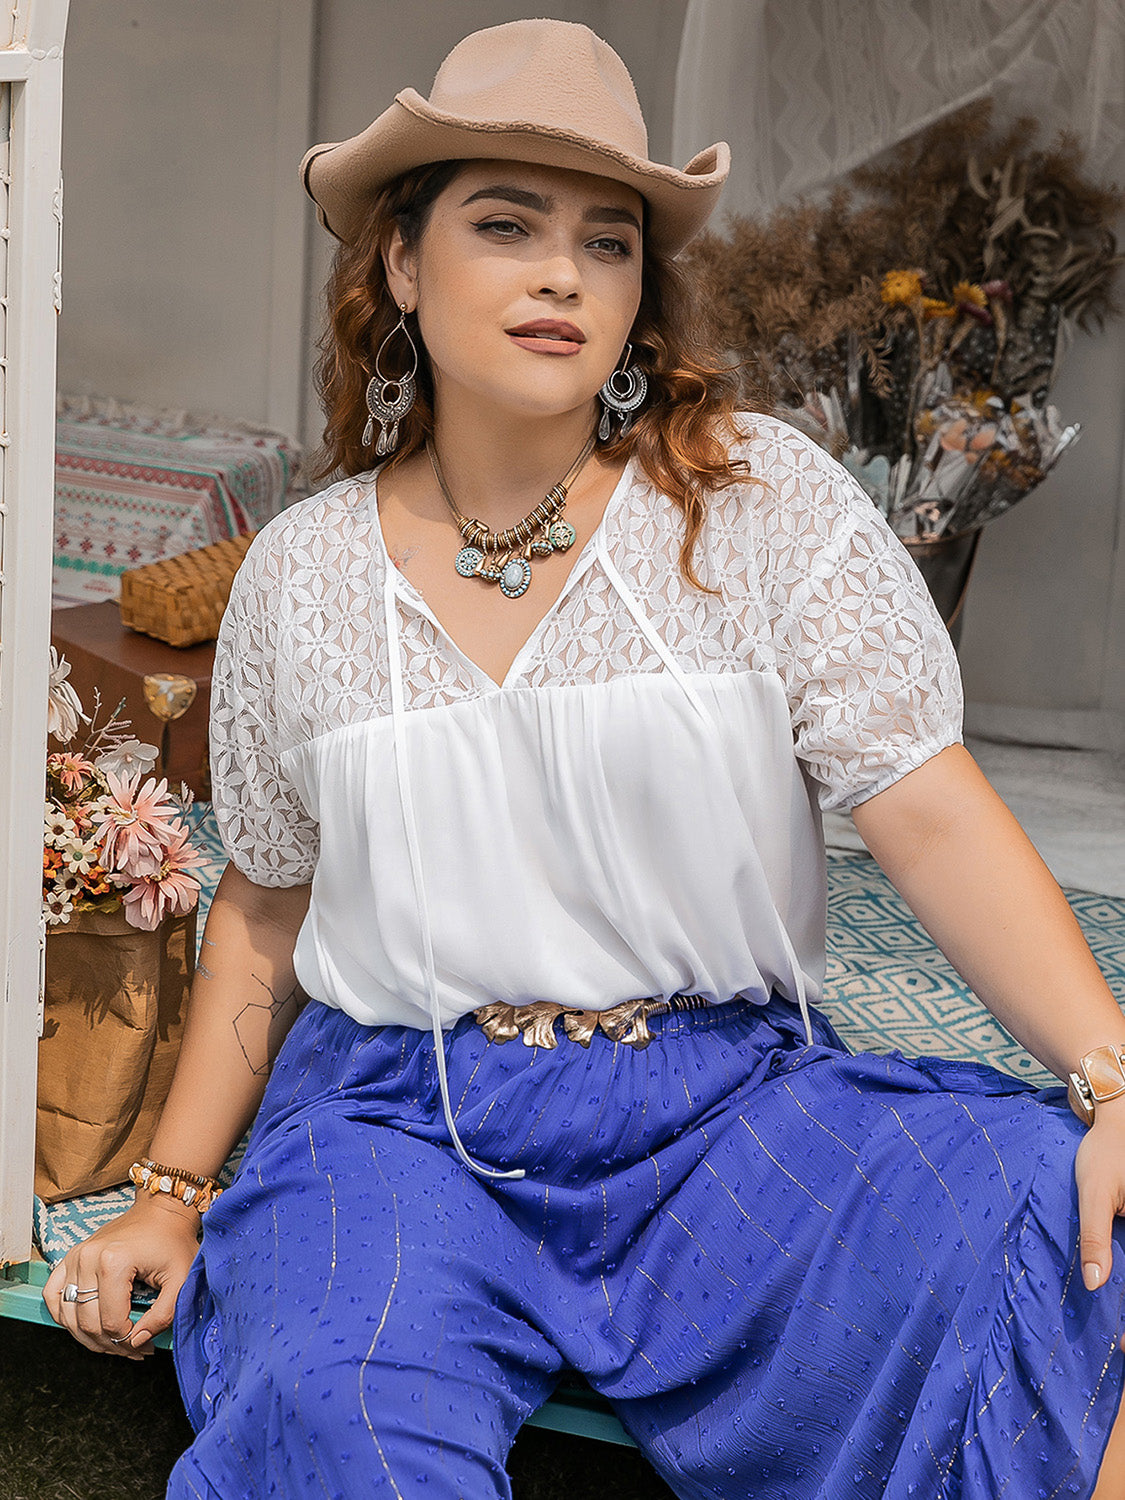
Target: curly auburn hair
679 438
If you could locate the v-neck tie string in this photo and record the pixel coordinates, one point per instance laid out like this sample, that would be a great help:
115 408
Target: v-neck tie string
410 827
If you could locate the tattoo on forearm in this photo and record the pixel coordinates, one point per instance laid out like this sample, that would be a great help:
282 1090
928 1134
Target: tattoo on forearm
261 1028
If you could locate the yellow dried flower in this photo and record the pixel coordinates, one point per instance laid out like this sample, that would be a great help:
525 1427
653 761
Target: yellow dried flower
968 291
934 307
901 287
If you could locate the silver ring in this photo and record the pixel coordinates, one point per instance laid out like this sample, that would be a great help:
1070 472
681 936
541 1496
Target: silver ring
72 1292
124 1339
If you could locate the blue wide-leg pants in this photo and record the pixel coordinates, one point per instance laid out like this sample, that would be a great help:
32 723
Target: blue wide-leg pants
794 1272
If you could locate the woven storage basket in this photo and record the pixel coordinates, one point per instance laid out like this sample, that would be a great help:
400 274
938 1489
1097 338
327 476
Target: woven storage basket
181 600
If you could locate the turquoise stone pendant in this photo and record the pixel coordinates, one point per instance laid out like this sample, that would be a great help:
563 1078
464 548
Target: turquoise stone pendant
561 535
515 576
468 561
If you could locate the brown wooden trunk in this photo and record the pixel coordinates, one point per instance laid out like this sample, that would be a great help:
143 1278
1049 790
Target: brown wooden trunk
105 654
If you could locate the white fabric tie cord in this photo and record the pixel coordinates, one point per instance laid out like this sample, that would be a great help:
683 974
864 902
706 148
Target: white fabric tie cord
418 880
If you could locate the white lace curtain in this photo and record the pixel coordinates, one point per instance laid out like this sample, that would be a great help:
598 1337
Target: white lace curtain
804 90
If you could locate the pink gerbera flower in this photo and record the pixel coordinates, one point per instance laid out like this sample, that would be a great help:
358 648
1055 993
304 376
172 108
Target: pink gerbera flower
71 770
169 889
136 825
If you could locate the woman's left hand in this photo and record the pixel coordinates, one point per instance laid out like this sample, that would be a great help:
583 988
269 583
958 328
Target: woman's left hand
1099 1170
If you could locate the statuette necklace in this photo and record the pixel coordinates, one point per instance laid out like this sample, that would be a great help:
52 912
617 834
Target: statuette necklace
504 557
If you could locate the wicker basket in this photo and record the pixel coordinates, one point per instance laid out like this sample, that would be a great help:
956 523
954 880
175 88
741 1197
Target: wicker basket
181 600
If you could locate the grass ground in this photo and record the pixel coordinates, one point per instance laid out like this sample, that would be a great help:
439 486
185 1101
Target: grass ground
82 1426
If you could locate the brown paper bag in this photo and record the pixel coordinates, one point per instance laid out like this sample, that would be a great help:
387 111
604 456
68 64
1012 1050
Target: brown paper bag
114 1009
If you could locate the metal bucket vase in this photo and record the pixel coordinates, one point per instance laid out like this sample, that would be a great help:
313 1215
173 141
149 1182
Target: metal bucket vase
946 563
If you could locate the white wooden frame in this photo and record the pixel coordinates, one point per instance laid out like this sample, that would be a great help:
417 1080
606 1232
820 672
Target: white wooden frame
31 68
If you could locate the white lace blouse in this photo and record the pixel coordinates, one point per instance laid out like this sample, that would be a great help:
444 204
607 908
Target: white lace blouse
634 812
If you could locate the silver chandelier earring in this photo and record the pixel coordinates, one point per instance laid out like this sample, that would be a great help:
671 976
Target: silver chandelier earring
623 394
390 398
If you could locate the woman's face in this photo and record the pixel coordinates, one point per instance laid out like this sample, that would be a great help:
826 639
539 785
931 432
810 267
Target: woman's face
526 283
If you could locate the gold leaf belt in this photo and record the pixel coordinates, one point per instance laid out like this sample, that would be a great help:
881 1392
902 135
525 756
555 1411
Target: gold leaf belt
627 1022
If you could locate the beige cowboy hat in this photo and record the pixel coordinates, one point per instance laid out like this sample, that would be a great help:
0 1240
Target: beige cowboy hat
537 91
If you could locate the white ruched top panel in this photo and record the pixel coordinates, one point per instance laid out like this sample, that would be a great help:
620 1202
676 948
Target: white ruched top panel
634 812
561 840
806 92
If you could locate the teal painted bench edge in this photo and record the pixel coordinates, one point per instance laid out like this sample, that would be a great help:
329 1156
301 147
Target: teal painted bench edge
582 1413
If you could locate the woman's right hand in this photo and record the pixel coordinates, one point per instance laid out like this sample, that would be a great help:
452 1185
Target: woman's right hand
155 1241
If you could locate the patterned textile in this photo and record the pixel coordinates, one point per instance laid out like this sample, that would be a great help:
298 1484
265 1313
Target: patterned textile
818 594
820 637
795 1273
134 486
888 989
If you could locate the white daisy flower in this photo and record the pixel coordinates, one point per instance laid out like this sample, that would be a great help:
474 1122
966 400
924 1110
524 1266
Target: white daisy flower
57 907
80 857
58 829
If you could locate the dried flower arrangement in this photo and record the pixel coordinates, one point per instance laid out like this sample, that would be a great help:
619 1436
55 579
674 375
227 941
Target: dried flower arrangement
109 841
914 320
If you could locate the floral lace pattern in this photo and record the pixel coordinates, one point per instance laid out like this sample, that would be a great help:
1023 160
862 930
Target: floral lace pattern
813 587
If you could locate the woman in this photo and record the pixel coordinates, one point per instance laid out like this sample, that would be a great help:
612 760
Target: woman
529 819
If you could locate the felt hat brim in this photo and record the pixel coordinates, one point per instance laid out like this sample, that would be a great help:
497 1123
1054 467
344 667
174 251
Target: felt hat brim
342 177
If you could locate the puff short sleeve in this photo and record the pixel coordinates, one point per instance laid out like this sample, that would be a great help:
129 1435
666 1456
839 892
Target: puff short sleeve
263 824
871 675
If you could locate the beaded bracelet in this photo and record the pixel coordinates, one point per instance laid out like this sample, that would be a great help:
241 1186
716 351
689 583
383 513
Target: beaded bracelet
193 1191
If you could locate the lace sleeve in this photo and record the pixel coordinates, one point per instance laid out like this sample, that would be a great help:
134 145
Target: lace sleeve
264 826
872 679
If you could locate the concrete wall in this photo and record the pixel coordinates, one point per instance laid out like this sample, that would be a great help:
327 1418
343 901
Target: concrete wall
1043 649
183 221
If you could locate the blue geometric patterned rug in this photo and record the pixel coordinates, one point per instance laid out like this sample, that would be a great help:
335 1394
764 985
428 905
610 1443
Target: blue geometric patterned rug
888 988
